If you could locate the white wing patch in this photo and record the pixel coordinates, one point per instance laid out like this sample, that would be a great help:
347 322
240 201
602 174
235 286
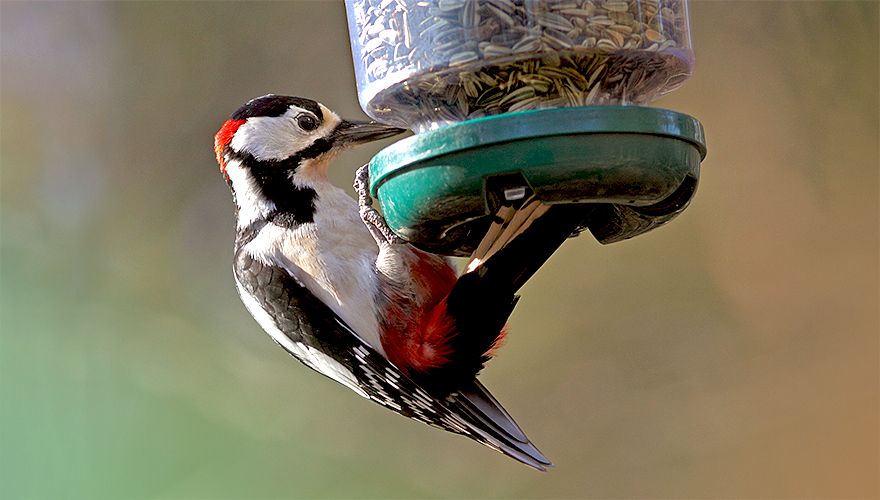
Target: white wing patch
312 357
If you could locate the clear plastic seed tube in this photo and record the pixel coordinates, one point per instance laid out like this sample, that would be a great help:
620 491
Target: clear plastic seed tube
422 64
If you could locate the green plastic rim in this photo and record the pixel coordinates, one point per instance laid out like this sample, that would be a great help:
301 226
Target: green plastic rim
436 189
531 124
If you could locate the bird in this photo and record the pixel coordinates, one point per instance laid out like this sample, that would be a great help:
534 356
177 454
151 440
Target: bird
323 275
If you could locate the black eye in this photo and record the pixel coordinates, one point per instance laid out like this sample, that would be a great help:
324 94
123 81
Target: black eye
306 122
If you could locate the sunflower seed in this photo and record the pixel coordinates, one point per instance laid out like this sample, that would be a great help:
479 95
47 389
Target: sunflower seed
495 50
500 14
470 15
506 5
463 58
607 44
555 21
529 44
616 6
561 5
450 5
557 39
615 37
518 95
653 36
529 103
621 28
373 44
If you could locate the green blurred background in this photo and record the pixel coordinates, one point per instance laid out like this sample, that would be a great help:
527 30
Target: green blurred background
732 353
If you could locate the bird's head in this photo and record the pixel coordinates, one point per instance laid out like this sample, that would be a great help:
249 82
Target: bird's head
275 144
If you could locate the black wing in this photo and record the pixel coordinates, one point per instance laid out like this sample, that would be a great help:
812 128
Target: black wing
310 331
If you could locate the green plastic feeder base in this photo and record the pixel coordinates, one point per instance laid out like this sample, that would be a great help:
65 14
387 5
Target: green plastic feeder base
634 168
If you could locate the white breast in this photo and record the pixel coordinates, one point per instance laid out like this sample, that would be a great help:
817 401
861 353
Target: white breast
334 258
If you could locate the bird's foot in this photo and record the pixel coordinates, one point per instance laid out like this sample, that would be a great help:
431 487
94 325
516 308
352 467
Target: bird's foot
374 221
362 185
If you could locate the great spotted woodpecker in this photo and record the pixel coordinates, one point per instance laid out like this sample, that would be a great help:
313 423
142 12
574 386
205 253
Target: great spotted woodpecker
325 278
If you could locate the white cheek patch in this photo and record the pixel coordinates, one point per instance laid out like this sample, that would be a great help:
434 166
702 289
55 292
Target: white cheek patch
270 137
279 137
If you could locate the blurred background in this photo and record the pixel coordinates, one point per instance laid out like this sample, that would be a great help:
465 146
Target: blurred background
732 353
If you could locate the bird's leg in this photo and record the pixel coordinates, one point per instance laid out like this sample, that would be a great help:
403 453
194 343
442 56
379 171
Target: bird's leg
374 221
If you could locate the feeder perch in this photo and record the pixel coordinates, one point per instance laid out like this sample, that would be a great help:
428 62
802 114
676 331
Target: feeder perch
510 98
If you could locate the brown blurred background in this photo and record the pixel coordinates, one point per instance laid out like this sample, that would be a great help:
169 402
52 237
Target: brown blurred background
732 353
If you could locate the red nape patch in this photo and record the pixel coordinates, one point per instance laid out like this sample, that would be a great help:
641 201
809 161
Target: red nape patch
223 138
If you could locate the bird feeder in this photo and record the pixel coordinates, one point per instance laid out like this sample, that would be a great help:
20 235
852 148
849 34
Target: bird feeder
515 97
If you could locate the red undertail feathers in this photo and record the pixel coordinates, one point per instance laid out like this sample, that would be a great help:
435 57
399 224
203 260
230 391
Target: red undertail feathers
444 340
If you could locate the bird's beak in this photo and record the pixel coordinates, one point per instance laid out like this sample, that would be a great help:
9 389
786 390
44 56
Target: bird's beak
349 133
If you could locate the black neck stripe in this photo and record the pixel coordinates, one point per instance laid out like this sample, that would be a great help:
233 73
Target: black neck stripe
292 162
294 205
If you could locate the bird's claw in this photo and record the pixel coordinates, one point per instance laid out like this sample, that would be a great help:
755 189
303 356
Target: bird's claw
362 185
372 219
